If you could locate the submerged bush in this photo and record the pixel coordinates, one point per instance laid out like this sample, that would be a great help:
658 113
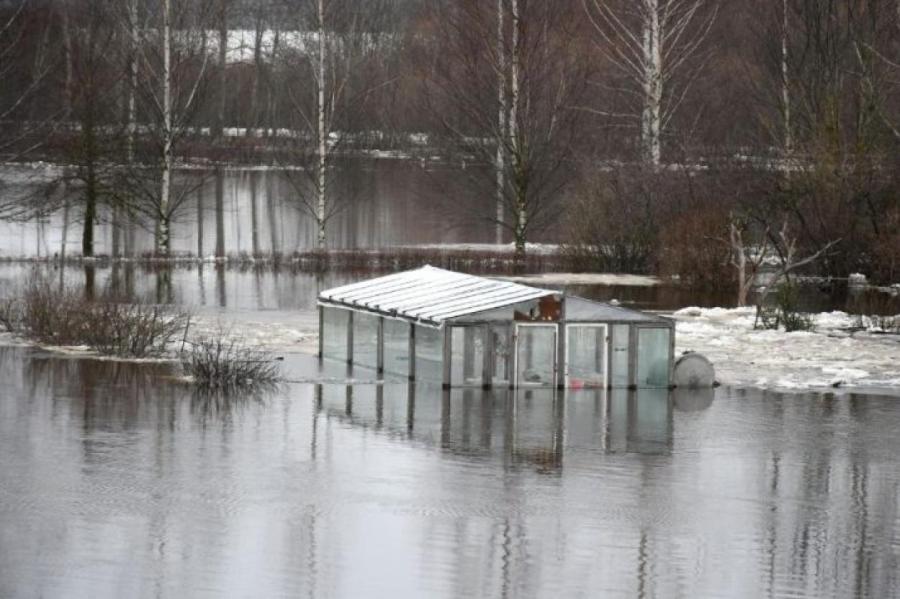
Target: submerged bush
11 315
222 363
783 311
56 316
65 317
610 226
132 330
877 311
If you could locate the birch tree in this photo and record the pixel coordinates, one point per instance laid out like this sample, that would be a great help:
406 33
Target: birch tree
787 127
501 88
656 45
171 86
501 117
327 84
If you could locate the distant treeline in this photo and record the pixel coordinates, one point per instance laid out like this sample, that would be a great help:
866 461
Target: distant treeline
662 127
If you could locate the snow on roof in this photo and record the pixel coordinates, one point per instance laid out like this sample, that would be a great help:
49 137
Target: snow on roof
431 295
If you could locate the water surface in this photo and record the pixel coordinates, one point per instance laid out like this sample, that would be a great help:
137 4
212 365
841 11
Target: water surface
116 481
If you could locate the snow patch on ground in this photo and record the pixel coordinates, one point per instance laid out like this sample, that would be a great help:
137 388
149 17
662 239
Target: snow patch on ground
834 354
276 331
587 278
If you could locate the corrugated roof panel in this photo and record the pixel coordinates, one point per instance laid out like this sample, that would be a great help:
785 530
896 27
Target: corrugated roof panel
431 294
474 303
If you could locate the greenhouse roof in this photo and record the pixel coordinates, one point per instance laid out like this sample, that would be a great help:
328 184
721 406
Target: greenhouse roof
431 294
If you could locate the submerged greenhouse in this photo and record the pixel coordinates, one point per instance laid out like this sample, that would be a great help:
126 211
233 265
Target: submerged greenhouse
461 330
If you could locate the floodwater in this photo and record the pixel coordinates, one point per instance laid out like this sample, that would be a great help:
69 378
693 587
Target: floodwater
376 203
118 482
283 289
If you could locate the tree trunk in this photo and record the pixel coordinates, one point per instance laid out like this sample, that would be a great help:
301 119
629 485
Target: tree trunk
519 181
65 231
270 97
254 216
223 74
90 214
131 118
653 84
254 120
785 84
501 119
67 47
162 237
739 261
273 217
200 222
133 75
322 133
116 231
91 184
220 213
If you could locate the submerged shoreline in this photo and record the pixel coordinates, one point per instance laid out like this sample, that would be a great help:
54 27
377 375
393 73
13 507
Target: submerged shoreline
538 258
834 358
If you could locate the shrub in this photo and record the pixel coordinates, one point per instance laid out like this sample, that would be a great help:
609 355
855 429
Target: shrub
611 225
64 317
694 249
783 311
11 315
222 363
877 310
132 330
57 316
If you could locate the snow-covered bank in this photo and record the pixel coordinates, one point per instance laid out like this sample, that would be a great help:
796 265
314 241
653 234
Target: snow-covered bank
833 355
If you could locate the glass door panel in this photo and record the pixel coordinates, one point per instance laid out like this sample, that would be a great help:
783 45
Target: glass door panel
653 358
536 354
586 355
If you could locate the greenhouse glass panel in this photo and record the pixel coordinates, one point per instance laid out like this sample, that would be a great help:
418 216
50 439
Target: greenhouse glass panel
536 354
334 336
429 354
653 358
468 356
365 340
396 347
586 355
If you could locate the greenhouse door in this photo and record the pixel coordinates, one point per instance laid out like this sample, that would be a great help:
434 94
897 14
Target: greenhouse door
535 355
586 355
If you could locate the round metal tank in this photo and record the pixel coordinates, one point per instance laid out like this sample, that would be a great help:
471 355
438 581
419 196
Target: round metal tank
693 371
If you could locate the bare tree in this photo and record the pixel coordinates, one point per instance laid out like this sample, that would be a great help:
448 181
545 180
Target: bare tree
501 116
336 39
529 73
91 140
788 143
656 45
171 85
27 61
746 257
